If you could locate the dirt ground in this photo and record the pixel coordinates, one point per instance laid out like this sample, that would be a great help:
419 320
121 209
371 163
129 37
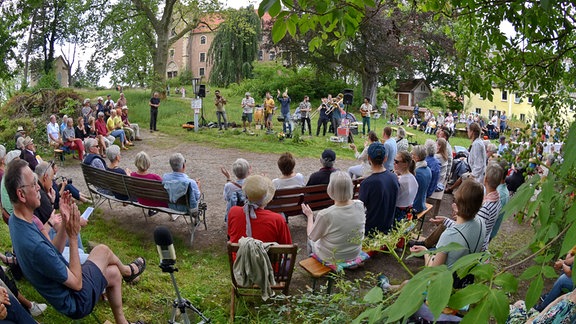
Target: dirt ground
203 164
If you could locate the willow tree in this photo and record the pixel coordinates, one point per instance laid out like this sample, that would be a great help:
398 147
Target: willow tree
235 47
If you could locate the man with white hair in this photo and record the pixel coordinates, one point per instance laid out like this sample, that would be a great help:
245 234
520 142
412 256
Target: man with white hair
177 183
93 157
247 110
53 131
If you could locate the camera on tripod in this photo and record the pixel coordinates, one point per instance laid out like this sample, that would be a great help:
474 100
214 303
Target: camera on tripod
165 247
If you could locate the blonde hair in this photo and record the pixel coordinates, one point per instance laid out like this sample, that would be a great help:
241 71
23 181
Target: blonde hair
142 161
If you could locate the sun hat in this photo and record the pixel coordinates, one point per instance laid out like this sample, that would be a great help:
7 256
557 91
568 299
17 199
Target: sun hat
27 141
247 94
20 129
86 100
258 189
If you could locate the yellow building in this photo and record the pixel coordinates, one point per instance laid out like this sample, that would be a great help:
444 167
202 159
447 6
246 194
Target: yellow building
513 103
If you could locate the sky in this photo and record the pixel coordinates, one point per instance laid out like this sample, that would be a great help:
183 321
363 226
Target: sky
240 3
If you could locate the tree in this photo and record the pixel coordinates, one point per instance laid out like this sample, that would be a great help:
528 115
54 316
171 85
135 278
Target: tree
537 59
235 47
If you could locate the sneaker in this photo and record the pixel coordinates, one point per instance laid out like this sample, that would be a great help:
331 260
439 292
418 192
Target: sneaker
37 309
384 283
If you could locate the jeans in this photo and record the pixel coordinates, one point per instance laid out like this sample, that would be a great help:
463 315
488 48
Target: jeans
222 115
365 121
153 118
119 133
305 120
321 122
336 123
286 122
561 286
16 313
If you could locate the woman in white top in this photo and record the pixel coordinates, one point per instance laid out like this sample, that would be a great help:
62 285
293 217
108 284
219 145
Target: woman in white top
289 178
336 235
363 169
442 156
404 168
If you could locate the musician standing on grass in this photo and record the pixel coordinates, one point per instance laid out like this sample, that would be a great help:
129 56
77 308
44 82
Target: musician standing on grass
336 114
305 108
285 111
365 111
269 108
220 104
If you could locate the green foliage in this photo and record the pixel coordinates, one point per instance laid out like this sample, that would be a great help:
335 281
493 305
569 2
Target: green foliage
437 101
47 81
185 77
319 307
235 47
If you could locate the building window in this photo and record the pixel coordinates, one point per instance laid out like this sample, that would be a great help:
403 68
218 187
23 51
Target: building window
504 95
517 98
422 88
201 72
202 40
530 99
272 55
492 112
260 55
172 52
202 57
172 74
479 111
522 117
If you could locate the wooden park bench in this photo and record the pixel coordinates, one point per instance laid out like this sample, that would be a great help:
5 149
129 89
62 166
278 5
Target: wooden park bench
107 186
289 201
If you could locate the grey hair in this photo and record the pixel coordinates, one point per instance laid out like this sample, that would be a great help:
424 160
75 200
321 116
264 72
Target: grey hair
142 161
42 169
240 167
420 152
430 145
492 148
12 155
340 187
112 152
401 132
2 152
89 143
326 163
20 143
177 161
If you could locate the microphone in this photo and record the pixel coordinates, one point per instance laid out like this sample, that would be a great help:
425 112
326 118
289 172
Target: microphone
164 245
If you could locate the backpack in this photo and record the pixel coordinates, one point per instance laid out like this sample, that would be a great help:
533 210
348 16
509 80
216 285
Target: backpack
238 199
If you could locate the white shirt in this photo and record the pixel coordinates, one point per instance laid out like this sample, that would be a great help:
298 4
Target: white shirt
54 130
407 190
247 105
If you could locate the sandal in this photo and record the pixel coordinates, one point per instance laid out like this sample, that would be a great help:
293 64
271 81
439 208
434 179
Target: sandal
140 264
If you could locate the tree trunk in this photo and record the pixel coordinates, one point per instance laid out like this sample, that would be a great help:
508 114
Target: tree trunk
369 85
159 59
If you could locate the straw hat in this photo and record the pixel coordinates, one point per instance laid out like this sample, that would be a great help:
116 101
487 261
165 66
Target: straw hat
258 189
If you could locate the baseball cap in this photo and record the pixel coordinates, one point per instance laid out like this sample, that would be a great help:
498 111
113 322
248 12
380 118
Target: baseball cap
329 155
376 151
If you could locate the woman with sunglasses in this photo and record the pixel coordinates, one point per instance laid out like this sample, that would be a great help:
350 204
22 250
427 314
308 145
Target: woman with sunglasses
404 168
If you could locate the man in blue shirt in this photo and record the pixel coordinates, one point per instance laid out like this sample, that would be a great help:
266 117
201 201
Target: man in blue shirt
71 288
177 183
285 110
391 148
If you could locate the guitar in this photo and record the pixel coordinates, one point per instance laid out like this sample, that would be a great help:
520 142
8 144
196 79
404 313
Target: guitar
364 113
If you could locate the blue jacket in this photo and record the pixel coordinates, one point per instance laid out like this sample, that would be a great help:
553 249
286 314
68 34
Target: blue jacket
177 184
423 177
434 166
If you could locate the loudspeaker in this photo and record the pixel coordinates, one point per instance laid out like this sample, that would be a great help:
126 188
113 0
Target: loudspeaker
348 96
202 91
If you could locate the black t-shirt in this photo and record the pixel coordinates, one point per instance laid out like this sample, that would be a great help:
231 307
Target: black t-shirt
45 210
320 177
154 101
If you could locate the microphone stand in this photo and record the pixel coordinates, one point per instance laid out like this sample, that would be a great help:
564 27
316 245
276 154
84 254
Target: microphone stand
180 303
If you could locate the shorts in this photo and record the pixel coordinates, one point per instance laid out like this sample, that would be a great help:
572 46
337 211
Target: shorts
268 116
93 284
247 117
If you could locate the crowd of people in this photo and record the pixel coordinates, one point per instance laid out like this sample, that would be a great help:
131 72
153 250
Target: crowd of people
45 225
